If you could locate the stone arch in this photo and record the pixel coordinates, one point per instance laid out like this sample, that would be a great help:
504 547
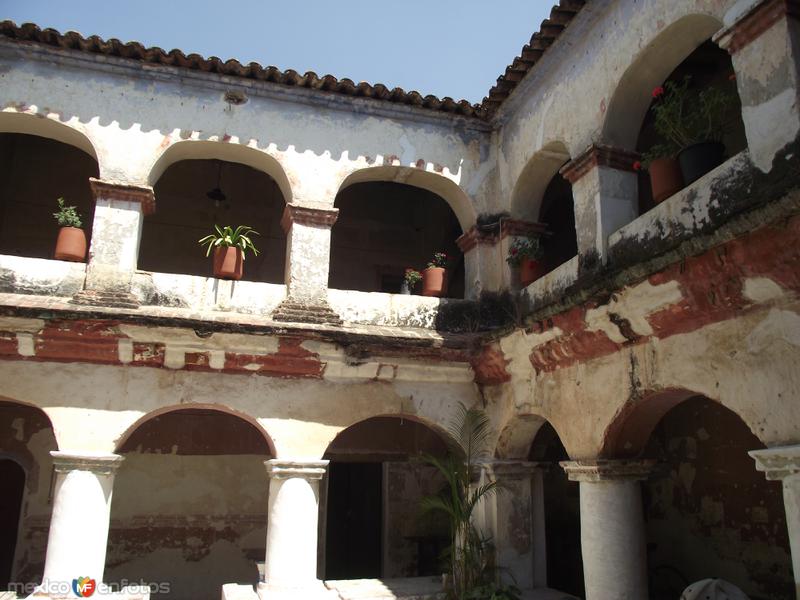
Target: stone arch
632 96
46 127
224 151
219 408
439 429
629 431
370 502
528 192
442 186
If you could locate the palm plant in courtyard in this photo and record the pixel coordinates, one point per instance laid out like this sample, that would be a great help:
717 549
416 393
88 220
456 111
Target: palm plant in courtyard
471 570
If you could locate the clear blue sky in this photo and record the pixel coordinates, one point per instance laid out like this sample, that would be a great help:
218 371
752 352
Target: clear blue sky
452 48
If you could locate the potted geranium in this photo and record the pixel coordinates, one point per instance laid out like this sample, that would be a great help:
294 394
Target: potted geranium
229 246
661 163
411 278
526 253
71 241
434 278
694 122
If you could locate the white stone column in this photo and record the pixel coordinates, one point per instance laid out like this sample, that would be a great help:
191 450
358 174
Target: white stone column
308 257
783 464
290 569
114 249
514 519
76 546
763 38
605 190
612 527
482 271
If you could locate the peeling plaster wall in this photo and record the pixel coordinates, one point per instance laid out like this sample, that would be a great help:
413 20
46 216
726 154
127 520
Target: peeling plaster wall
708 511
194 522
405 484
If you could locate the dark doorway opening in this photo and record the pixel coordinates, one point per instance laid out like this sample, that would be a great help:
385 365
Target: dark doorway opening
13 478
558 214
354 534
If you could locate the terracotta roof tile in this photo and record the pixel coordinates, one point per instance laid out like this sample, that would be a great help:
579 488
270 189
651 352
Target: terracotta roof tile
560 17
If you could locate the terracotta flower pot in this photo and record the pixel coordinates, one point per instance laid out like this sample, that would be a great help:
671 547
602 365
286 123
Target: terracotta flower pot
228 263
434 281
666 178
71 245
530 270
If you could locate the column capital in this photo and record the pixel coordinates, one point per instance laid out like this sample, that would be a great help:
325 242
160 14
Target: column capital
599 470
777 463
311 470
492 233
312 216
750 23
598 155
511 469
98 463
125 192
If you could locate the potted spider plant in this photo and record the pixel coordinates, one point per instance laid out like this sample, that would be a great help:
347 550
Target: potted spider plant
411 279
434 278
71 241
229 246
526 254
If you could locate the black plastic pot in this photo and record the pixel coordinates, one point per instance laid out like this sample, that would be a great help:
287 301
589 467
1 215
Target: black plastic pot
699 159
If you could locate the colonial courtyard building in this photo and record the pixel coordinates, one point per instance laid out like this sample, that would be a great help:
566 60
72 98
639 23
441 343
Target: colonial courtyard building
161 425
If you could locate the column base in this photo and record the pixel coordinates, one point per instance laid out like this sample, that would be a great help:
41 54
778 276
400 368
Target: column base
315 311
312 590
105 298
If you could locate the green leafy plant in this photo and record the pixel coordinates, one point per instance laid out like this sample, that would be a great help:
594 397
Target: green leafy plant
439 260
471 571
67 216
686 116
412 277
521 248
228 237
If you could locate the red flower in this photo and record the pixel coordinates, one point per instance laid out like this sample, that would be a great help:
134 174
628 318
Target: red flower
637 166
658 92
514 252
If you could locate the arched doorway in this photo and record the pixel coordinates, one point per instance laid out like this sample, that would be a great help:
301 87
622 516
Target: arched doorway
194 195
13 477
708 512
562 514
34 172
26 440
385 227
370 525
543 195
190 502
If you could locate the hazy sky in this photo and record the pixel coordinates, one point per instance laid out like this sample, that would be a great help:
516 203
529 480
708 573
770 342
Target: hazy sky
452 48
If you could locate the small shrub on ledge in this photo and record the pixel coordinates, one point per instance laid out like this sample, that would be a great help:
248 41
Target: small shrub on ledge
411 279
434 278
71 241
526 255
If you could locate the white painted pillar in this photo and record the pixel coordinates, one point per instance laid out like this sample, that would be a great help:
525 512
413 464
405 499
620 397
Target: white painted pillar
76 546
514 519
763 38
605 190
114 250
290 569
612 527
308 257
783 464
482 272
